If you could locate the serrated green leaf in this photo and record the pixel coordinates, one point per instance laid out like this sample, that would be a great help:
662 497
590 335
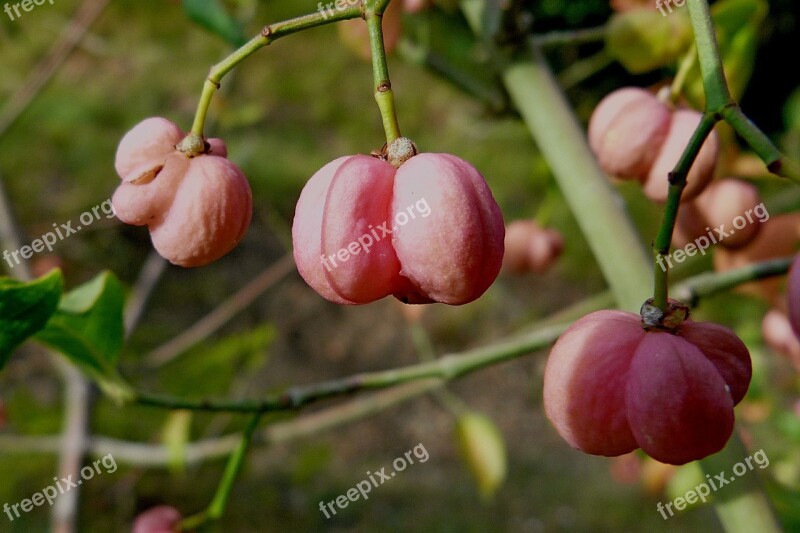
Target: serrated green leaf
87 329
643 39
212 15
25 308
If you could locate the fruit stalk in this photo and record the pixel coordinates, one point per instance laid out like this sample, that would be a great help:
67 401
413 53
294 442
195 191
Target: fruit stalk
677 182
268 34
384 96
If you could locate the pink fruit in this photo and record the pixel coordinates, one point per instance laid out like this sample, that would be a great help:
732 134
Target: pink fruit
530 248
197 209
733 206
611 386
161 519
626 132
793 295
429 231
682 126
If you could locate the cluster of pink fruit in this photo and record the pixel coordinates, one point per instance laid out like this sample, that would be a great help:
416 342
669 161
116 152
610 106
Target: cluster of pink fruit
615 381
636 136
198 209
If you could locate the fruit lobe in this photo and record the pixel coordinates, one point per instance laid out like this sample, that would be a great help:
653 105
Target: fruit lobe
724 204
626 132
681 129
611 387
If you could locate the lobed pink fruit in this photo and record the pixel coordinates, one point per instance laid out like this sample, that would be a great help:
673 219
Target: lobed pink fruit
152 138
610 387
793 295
725 204
682 126
197 209
530 248
626 132
429 231
160 519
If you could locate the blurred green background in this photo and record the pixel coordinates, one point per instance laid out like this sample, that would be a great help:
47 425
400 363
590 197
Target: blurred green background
284 113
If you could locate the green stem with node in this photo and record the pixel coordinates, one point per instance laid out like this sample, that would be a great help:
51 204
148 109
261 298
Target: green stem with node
677 182
384 96
216 509
719 100
446 368
451 366
268 34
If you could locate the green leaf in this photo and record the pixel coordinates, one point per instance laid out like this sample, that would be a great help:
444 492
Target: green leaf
88 328
212 15
737 23
209 369
644 39
25 308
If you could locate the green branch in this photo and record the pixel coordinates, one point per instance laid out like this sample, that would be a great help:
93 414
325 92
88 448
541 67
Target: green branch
776 162
216 509
718 95
677 182
447 368
452 366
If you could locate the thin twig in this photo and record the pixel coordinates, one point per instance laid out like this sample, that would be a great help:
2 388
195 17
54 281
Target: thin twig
217 318
70 37
149 276
158 455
